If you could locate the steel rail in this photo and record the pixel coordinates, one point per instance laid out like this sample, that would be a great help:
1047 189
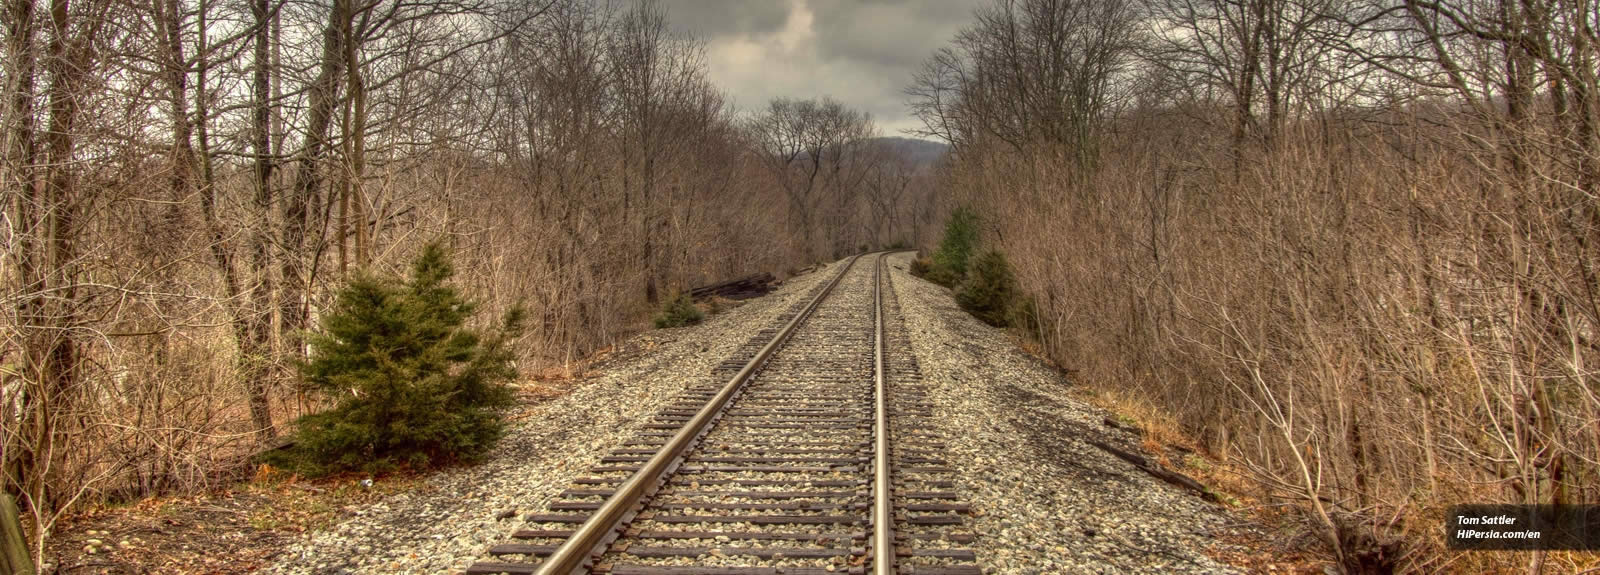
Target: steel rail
601 527
882 501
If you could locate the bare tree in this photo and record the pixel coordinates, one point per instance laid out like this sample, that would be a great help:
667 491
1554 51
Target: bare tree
184 180
46 210
1346 247
652 72
1254 53
815 149
1029 72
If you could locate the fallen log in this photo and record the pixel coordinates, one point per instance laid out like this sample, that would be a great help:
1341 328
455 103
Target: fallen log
747 287
1114 424
1158 471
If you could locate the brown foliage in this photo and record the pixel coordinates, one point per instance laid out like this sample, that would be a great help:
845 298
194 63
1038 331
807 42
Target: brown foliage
1365 275
178 204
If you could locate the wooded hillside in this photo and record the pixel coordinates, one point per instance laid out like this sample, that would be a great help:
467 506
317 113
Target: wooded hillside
1351 246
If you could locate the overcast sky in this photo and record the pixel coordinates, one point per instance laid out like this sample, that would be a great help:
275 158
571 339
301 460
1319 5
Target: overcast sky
861 52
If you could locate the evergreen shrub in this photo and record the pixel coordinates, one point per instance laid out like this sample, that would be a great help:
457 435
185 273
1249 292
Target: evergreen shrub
990 291
679 311
413 385
960 240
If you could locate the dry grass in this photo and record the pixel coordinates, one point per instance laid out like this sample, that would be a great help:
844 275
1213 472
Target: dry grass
223 532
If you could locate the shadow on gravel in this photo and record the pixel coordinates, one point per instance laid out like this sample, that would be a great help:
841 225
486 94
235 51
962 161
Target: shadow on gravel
1053 439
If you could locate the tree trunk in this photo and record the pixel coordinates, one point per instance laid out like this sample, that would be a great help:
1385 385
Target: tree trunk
299 205
251 329
47 207
21 169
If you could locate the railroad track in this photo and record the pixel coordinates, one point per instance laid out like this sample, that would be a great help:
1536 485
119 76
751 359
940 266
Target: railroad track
817 456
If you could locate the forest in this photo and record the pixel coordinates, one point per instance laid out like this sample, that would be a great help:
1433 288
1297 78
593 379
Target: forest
1350 247
186 183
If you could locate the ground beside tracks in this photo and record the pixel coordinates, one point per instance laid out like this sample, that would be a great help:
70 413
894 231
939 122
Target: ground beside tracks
1045 499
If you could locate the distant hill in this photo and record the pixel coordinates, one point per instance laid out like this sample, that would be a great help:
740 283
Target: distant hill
922 152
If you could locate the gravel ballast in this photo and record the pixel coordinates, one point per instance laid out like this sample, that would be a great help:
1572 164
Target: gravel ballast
446 524
1044 500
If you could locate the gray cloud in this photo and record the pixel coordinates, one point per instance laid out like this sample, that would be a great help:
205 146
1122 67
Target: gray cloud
891 33
713 19
861 52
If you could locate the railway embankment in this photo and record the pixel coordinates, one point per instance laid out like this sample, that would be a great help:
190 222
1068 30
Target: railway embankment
1043 497
444 524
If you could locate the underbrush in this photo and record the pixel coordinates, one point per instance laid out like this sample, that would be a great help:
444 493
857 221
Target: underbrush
984 283
990 292
678 312
230 530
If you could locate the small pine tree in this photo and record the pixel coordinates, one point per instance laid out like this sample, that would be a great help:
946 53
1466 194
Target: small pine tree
990 291
955 249
680 311
414 386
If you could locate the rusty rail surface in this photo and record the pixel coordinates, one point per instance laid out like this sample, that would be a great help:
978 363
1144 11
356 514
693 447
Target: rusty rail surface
882 500
791 467
602 526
